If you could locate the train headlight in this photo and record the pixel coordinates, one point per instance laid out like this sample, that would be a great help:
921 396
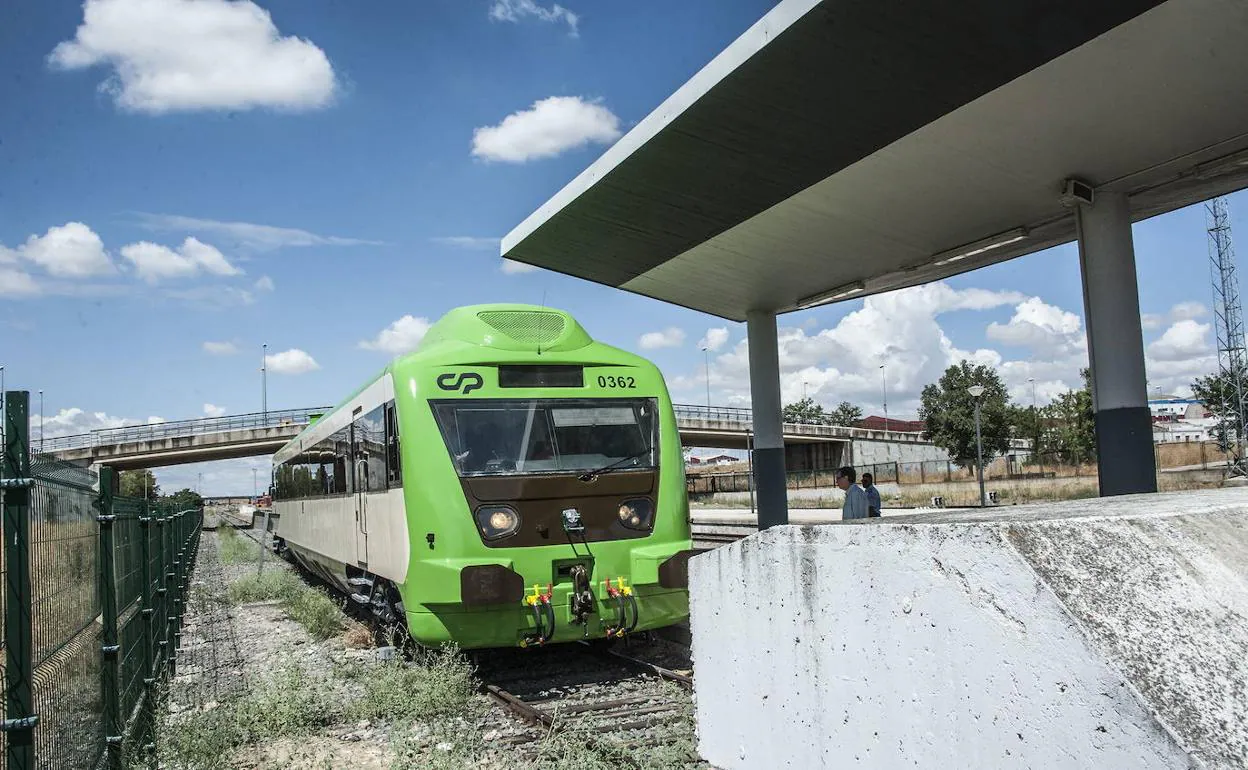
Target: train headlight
497 521
637 513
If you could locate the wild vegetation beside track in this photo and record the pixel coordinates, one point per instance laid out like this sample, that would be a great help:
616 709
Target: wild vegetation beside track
319 694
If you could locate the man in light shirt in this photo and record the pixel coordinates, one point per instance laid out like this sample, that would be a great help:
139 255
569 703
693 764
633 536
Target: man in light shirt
855 499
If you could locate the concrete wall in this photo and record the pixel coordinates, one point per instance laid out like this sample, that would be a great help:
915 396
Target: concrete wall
871 452
1110 633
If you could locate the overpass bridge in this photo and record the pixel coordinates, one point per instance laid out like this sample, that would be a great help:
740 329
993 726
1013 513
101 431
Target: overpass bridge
263 433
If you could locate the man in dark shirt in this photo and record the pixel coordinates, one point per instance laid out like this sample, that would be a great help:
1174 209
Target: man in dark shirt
873 495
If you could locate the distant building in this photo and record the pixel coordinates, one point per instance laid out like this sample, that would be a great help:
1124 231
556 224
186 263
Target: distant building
1180 420
1181 431
1170 408
875 422
713 460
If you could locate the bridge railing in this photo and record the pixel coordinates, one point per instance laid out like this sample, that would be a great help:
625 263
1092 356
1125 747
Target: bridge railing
745 416
181 428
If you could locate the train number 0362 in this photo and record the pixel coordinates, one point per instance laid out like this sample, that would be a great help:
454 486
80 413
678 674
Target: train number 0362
611 381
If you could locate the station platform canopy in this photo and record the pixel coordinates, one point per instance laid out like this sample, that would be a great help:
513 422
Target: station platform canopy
848 147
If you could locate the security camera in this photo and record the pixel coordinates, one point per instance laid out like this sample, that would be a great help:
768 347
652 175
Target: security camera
1076 192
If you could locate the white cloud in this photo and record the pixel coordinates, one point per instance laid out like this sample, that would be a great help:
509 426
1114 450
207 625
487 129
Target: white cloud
1183 311
518 10
15 283
714 339
900 330
1186 311
71 250
551 126
671 337
1184 340
212 297
402 336
511 267
1048 331
468 241
293 361
212 410
220 348
72 421
264 283
248 234
154 262
177 55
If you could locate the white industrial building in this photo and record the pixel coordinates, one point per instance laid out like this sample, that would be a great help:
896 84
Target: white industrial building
1179 420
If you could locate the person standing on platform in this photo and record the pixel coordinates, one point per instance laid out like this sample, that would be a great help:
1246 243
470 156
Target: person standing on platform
855 499
873 496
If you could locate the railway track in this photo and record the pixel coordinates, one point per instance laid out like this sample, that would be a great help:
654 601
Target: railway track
625 706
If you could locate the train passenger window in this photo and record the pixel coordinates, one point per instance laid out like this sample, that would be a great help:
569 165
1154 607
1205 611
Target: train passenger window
394 472
370 451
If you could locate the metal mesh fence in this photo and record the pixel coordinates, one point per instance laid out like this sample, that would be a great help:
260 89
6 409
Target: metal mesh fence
64 607
92 608
210 661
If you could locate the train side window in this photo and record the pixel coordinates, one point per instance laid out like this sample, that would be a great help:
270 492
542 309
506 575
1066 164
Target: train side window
394 473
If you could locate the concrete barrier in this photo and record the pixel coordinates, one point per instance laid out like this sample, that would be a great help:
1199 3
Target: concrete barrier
1109 633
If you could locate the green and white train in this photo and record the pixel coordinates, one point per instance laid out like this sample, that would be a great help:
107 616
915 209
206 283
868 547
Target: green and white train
511 482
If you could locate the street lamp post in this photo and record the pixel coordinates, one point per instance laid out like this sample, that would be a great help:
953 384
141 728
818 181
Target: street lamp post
707 358
884 384
976 391
264 382
1035 415
41 421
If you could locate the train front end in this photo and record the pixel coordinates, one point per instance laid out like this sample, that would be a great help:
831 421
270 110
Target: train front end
549 503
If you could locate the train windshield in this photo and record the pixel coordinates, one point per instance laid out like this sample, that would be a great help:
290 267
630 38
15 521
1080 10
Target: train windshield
498 437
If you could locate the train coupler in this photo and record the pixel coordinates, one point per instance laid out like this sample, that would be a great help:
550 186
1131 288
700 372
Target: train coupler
543 617
625 601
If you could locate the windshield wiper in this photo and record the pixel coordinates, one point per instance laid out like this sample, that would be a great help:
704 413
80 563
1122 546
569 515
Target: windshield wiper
591 475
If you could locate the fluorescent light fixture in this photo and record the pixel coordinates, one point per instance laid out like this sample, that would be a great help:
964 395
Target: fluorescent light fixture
1227 164
979 247
840 292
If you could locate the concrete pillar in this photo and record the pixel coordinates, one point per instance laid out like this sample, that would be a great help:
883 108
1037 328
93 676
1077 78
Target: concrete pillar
769 476
1111 301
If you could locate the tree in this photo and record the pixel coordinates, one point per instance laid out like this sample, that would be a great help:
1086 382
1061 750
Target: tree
184 500
1069 425
948 411
140 483
845 413
1217 393
806 411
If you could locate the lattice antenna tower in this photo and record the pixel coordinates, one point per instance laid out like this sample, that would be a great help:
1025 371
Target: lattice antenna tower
1229 328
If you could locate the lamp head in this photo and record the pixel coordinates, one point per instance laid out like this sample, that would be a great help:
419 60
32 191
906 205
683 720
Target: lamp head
976 391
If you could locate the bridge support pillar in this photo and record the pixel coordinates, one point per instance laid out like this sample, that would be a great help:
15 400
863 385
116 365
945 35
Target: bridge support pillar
1124 432
769 475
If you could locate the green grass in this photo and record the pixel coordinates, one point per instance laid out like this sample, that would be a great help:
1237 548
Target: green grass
310 607
276 583
315 611
289 704
235 548
440 684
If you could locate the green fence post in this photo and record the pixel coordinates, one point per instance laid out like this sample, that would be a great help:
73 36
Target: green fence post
162 594
183 562
146 732
19 719
110 687
171 598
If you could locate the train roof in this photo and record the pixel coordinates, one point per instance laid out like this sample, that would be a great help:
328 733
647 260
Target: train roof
512 327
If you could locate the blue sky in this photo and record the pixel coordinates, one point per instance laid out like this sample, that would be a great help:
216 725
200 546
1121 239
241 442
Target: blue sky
326 161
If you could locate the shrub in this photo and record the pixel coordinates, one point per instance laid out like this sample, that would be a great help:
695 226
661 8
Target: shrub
438 684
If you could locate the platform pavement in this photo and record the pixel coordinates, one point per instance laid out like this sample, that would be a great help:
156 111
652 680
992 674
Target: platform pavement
1105 633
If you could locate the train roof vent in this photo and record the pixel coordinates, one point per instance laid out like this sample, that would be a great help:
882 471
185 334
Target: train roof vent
537 327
